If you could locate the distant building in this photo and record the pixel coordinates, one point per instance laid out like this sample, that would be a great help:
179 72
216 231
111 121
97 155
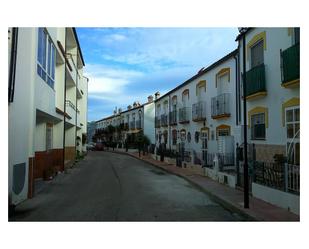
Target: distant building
91 126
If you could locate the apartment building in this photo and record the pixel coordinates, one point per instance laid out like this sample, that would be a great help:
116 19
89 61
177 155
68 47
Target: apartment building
200 117
272 90
138 118
47 108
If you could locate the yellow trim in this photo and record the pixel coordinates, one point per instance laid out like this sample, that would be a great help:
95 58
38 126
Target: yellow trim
291 84
185 92
289 103
221 127
290 31
202 83
256 95
256 110
255 39
222 72
204 129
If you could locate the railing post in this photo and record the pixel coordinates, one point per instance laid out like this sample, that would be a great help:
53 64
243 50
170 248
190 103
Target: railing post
286 177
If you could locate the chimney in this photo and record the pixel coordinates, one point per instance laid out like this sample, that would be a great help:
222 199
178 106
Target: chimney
150 98
134 104
157 95
129 107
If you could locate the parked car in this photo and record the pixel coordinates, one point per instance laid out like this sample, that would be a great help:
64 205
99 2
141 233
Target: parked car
99 146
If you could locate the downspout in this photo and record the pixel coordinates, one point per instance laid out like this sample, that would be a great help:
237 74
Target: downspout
13 65
65 93
76 101
236 84
169 126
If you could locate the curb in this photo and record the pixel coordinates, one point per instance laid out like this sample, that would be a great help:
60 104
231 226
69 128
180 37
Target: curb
223 202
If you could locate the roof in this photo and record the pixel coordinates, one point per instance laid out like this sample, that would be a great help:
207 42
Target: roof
80 51
124 112
244 31
201 72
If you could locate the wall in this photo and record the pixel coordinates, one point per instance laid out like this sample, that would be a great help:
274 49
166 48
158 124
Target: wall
277 197
149 114
20 111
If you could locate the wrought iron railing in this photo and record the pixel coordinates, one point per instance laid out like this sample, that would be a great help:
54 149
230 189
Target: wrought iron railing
164 119
220 105
184 115
139 124
157 122
293 181
255 80
199 111
132 125
173 117
290 63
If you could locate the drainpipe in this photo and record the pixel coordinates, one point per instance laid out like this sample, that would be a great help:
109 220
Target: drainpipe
65 94
236 84
76 101
13 65
246 176
169 126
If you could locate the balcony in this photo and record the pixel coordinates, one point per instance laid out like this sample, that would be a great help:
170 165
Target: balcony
255 82
199 111
173 117
164 121
132 125
72 71
220 106
184 115
290 66
157 122
70 109
126 126
138 124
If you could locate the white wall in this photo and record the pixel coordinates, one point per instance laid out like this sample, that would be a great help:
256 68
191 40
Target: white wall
148 126
276 197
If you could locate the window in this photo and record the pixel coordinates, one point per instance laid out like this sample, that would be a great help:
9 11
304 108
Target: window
196 136
174 137
257 54
46 58
258 126
223 132
49 137
189 137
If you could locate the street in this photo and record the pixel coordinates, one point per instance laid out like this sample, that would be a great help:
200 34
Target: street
107 186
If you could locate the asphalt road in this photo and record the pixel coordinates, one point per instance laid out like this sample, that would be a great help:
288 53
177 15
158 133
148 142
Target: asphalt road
112 187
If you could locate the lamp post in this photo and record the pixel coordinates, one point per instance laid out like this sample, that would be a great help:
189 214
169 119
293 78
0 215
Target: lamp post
246 176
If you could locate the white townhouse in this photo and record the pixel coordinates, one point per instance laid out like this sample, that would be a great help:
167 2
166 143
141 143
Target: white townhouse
200 117
272 90
137 118
47 105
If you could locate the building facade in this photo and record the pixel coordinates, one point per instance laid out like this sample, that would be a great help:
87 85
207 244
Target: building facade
272 90
138 118
200 118
47 105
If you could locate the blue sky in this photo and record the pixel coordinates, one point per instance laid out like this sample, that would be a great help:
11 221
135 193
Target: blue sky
128 64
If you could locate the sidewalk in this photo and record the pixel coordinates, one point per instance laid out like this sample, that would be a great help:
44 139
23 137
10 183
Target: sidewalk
229 197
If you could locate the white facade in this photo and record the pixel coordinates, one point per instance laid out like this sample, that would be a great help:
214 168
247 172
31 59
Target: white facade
37 110
277 96
200 113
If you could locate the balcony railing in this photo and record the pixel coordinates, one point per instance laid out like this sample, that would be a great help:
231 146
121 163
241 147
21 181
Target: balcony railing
173 117
255 80
157 122
132 125
138 124
164 119
184 115
220 106
199 111
290 64
70 104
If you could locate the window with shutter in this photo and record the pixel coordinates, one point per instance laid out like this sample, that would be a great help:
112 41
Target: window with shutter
258 126
257 54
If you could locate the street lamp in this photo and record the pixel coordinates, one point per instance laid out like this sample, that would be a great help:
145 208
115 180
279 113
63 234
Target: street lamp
246 176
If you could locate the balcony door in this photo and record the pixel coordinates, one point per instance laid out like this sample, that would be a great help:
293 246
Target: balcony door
292 124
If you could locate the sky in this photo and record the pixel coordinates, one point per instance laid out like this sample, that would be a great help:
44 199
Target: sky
129 64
